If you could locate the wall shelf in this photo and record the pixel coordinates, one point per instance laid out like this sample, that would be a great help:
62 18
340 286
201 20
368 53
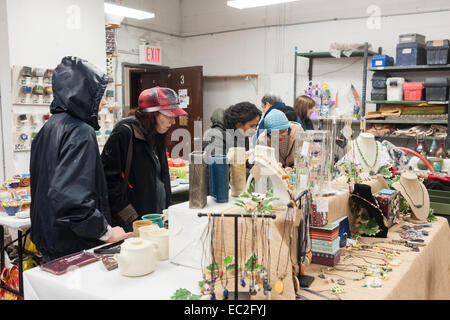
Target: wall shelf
393 136
237 76
421 103
327 54
441 67
113 26
410 120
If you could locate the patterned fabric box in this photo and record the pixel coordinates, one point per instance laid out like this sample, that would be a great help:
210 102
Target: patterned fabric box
326 259
389 201
325 246
318 219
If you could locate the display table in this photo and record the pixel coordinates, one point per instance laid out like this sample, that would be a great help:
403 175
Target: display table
94 282
422 275
19 225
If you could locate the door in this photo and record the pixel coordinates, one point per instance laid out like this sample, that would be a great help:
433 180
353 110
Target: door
188 84
141 80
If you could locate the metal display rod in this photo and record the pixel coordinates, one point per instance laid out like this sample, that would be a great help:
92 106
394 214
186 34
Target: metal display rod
236 216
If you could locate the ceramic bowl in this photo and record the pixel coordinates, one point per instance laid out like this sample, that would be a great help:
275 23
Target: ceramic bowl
26 89
12 207
156 218
48 91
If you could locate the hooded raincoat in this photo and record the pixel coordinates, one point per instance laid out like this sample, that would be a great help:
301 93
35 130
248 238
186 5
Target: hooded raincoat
69 207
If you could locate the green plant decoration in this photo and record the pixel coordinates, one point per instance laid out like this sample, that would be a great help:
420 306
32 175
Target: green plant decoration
184 294
391 181
214 266
228 263
404 206
368 226
385 172
431 216
263 205
251 264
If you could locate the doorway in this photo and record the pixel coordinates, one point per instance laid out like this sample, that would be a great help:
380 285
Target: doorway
187 82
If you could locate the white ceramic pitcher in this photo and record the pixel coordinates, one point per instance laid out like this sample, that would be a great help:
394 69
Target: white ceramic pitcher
137 257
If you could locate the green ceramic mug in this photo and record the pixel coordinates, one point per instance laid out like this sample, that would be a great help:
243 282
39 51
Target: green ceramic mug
156 218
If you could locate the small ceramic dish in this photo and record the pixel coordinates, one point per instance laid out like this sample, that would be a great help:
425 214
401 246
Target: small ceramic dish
23 214
183 181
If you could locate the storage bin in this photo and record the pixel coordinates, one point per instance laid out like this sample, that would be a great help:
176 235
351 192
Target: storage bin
411 54
413 91
412 37
379 94
379 80
382 60
438 51
395 89
436 89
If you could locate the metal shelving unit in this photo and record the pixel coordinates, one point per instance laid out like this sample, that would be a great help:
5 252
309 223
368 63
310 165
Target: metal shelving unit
413 120
321 55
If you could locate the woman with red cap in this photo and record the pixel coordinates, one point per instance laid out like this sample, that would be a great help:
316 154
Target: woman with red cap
134 158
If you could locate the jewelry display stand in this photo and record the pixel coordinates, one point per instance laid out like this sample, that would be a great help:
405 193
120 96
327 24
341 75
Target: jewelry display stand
368 152
267 169
239 295
416 194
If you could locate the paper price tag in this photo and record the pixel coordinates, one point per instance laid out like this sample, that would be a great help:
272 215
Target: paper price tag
305 149
322 205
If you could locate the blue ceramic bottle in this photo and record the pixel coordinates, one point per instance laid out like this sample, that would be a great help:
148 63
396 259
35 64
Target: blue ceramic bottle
219 178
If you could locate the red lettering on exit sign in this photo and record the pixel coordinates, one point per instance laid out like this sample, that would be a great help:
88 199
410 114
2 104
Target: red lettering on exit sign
150 55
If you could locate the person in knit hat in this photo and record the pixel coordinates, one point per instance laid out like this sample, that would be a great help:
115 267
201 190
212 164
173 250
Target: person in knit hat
277 126
143 187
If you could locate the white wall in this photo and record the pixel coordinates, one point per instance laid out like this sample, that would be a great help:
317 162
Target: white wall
269 51
40 34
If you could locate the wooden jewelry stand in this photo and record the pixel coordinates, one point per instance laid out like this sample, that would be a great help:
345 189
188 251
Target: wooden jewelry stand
239 295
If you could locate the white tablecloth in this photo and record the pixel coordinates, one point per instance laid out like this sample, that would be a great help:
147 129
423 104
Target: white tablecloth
93 281
14 222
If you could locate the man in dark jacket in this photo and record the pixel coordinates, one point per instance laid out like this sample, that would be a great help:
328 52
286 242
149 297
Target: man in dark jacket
69 207
268 103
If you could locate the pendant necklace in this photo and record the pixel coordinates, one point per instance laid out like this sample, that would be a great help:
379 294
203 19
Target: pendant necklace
213 263
279 286
243 251
223 251
371 167
418 206
205 235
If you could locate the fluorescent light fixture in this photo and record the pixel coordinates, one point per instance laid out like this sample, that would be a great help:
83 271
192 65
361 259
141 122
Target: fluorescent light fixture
127 12
244 4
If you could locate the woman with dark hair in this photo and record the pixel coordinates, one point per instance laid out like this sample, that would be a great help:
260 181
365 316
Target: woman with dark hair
231 128
304 106
134 158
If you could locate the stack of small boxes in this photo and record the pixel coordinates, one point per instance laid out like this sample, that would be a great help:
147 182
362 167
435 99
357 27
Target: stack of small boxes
325 244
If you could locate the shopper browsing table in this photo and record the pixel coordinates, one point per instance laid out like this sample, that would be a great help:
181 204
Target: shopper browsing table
231 128
142 186
278 127
69 206
304 106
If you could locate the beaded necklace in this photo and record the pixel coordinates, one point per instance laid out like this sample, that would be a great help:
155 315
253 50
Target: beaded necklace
371 167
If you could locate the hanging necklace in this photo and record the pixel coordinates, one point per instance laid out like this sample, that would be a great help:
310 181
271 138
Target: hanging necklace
224 253
213 262
205 235
418 206
279 286
371 167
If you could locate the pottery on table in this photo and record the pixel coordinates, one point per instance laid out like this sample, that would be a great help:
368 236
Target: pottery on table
138 224
159 236
11 207
137 257
156 218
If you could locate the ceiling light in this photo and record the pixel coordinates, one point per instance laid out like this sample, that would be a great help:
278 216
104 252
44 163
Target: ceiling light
243 4
127 12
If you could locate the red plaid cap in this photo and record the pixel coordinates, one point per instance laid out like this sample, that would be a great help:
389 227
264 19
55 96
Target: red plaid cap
164 100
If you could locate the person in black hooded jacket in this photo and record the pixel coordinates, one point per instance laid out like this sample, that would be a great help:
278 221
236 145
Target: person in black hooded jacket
69 207
147 188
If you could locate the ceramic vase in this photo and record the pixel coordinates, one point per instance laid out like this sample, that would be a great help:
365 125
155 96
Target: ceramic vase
198 180
219 178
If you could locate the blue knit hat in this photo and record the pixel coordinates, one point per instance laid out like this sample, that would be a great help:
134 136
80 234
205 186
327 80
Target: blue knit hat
276 120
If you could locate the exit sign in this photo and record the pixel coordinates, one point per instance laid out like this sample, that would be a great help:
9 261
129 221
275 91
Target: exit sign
150 55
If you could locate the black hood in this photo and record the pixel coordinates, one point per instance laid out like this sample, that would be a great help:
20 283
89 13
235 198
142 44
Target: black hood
78 87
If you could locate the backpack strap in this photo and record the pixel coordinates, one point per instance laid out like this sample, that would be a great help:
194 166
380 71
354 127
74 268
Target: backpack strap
128 161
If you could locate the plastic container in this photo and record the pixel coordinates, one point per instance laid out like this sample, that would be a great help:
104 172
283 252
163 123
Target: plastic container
378 94
436 89
382 60
413 91
438 52
395 89
411 54
412 37
379 80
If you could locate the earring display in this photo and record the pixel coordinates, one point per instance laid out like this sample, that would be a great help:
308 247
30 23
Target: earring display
26 128
32 86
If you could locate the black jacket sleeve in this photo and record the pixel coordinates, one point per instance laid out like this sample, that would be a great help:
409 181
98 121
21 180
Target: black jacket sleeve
114 159
72 193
